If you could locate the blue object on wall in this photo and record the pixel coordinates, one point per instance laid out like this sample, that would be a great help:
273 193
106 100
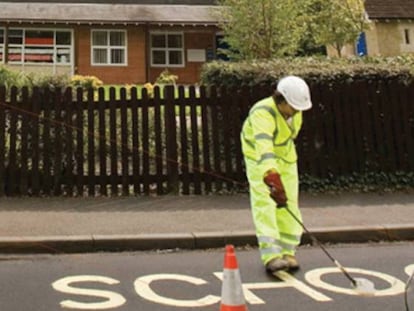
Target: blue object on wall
361 46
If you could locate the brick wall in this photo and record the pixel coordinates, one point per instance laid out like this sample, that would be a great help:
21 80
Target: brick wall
194 38
138 69
134 72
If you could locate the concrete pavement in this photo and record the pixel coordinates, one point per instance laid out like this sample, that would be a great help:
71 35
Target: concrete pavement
63 225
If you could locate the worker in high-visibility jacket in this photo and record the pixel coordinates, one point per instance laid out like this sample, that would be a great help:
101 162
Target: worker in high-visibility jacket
270 156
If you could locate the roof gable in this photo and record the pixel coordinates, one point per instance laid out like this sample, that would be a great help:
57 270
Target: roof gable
390 9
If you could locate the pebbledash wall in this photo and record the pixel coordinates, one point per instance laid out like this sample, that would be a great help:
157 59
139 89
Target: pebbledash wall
194 45
399 38
390 38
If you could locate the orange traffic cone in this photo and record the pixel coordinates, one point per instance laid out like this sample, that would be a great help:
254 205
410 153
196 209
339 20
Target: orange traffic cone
232 298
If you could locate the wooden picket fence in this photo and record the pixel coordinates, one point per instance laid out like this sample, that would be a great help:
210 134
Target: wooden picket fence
78 142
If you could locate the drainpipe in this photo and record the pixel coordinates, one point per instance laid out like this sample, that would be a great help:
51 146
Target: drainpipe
147 53
6 45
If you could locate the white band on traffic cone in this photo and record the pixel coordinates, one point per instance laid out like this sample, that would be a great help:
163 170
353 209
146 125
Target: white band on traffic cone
232 297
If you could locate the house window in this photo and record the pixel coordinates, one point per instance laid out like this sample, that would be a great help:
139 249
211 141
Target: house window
167 49
109 47
407 36
1 45
39 46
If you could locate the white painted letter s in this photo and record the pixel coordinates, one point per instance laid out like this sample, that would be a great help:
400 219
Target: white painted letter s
113 300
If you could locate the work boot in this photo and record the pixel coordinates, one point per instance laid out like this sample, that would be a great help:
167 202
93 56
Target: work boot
292 262
277 264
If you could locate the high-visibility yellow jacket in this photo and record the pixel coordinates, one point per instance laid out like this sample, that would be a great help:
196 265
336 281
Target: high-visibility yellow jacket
267 136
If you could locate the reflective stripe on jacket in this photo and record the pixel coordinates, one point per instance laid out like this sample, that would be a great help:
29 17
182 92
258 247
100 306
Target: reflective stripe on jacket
266 135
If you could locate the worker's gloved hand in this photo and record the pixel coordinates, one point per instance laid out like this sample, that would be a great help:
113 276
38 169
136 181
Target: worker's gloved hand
277 191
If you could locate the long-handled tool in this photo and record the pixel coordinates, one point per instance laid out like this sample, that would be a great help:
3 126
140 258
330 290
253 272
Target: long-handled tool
362 286
407 287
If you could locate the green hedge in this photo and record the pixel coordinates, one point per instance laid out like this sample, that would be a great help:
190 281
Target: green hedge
9 78
312 69
322 70
359 182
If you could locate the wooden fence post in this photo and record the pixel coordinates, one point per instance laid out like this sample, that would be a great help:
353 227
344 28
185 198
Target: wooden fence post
25 133
57 142
13 164
69 143
2 139
171 140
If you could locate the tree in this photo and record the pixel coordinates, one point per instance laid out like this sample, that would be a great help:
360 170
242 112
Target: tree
337 22
261 29
264 29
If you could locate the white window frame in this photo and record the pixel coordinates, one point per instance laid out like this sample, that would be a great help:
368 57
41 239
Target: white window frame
167 49
109 48
53 46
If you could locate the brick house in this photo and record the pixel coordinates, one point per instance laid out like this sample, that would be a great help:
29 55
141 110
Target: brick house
133 41
118 41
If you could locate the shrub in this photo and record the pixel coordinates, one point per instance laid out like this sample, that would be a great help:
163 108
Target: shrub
9 78
150 89
85 82
49 81
166 77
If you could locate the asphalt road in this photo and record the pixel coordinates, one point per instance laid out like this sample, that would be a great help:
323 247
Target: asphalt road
190 280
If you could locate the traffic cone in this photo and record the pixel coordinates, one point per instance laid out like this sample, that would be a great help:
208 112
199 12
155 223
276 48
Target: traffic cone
232 298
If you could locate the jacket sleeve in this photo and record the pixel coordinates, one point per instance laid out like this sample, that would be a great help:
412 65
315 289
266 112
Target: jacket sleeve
263 124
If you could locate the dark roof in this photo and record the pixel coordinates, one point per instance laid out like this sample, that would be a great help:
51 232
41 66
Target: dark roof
390 9
107 13
186 2
166 11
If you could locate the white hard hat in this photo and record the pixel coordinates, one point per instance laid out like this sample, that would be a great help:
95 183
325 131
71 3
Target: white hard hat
296 92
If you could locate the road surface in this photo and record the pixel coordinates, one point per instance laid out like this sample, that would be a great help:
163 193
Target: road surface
191 280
